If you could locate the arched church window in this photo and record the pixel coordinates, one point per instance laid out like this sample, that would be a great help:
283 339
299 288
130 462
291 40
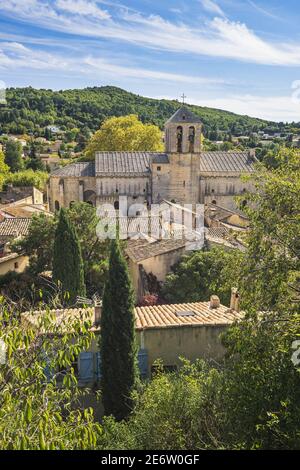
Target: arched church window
56 205
214 201
116 205
191 139
179 139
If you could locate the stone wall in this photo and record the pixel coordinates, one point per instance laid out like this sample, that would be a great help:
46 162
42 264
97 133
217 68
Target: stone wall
65 191
221 190
178 181
190 342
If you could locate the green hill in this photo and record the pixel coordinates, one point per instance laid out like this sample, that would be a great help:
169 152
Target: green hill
30 110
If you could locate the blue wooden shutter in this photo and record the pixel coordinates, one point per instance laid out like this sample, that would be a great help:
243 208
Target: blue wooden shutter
143 363
86 367
49 373
98 366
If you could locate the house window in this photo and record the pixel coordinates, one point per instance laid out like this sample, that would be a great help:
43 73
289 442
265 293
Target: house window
159 168
56 205
214 201
16 265
116 205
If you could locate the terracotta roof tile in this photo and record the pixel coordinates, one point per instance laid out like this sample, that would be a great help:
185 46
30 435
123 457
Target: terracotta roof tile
158 316
14 226
148 250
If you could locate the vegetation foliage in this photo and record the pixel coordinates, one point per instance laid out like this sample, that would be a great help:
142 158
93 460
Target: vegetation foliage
125 133
117 343
29 111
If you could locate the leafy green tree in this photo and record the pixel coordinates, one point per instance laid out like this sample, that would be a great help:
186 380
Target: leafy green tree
34 162
117 343
179 410
13 155
4 169
94 251
262 384
39 394
38 244
67 260
125 133
272 264
199 275
28 177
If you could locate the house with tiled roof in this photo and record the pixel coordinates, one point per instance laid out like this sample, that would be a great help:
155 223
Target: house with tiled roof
10 229
182 174
166 332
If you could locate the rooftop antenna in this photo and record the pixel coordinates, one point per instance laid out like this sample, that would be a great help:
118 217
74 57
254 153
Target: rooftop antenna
183 96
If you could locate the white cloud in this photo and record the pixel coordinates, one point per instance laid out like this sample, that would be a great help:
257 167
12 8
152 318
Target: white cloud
219 38
14 55
119 70
264 11
82 7
212 7
273 108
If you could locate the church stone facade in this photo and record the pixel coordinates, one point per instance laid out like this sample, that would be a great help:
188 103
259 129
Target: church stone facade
183 173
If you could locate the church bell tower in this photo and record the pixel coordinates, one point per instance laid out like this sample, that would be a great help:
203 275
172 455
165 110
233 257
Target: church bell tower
183 132
183 146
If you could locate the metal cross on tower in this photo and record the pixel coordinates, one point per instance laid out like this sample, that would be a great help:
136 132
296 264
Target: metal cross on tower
183 98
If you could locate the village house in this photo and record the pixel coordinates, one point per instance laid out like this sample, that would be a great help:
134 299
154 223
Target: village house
11 229
182 174
166 332
21 195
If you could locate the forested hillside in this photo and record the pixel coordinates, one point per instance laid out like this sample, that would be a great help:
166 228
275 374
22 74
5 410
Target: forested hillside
29 110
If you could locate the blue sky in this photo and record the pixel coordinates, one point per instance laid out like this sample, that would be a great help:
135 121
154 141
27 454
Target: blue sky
243 56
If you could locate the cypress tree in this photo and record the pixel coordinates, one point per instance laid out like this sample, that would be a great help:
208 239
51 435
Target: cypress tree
13 155
117 343
67 260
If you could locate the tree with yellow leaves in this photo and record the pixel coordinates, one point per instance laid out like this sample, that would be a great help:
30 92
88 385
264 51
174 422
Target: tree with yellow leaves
125 133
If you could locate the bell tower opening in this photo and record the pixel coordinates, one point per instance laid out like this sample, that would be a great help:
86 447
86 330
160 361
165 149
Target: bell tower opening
179 139
183 132
191 139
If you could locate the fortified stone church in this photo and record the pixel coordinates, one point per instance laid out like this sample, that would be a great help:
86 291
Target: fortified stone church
183 174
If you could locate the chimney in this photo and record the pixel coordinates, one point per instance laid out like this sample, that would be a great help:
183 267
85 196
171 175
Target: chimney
251 155
98 311
235 300
214 302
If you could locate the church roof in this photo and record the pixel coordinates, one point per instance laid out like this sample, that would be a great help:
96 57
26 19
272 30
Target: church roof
127 163
227 162
78 170
183 114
